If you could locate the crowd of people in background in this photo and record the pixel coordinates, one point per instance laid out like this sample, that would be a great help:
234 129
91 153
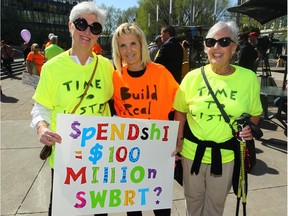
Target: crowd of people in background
248 54
34 55
36 58
154 47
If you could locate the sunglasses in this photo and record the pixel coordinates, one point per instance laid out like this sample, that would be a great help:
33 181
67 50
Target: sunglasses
81 25
223 42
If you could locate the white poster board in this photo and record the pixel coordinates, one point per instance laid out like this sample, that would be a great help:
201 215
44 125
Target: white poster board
112 164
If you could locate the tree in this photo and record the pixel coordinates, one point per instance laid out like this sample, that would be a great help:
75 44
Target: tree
181 13
129 15
112 19
116 17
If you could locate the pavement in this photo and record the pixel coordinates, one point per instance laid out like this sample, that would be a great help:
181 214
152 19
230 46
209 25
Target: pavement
25 179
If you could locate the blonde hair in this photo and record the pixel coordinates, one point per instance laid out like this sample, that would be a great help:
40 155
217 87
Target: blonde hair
134 29
33 46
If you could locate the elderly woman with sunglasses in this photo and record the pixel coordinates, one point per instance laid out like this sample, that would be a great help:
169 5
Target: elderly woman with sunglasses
208 176
64 78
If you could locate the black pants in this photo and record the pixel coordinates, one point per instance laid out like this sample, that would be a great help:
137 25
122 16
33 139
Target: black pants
158 212
7 65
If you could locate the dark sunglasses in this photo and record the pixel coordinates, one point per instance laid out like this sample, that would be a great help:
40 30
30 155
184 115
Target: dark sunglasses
81 25
223 42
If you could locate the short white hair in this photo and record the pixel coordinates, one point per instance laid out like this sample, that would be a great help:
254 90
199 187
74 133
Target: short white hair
229 25
88 7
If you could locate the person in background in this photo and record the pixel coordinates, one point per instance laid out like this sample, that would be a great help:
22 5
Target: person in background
35 59
247 54
154 47
77 64
279 61
50 35
185 65
171 52
208 171
52 50
170 55
26 50
97 49
134 72
7 53
252 38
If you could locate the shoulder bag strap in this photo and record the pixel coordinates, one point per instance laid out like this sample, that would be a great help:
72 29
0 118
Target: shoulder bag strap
220 106
47 150
87 87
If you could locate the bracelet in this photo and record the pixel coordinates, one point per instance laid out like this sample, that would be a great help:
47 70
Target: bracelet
41 123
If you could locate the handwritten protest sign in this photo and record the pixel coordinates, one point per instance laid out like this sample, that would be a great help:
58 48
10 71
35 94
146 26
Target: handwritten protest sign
111 164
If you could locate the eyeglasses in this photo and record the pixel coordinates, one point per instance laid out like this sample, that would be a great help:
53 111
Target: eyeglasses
81 25
223 42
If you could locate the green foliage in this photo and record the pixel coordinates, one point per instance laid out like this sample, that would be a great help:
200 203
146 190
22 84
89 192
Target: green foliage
116 17
181 13
39 22
249 28
113 19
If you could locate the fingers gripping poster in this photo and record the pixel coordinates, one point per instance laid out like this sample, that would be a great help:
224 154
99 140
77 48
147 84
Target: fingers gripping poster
111 164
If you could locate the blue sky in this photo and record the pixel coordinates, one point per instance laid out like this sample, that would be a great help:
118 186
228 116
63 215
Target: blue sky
122 4
233 2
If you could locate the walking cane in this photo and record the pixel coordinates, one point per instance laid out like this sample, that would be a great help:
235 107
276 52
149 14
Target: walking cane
241 122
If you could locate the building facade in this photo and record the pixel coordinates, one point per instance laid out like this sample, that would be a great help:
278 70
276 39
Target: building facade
40 17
